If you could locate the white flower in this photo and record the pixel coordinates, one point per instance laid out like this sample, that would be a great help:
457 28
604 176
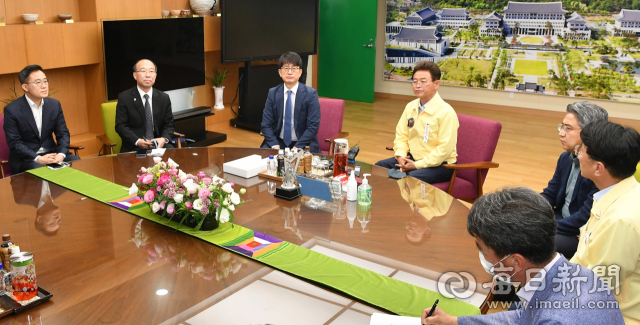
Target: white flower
224 216
225 202
192 189
143 169
178 198
133 189
188 183
232 207
211 188
155 207
215 178
235 198
197 204
181 174
227 188
170 162
157 160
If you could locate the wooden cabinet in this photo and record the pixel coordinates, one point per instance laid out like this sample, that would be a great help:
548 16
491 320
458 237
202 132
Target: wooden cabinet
14 52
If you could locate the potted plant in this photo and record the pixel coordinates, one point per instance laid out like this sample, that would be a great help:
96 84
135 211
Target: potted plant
218 78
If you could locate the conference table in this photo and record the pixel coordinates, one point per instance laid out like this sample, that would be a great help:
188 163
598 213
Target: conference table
104 265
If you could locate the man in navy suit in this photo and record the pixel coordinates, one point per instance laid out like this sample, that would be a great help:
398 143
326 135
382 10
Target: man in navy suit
514 230
571 195
30 122
291 116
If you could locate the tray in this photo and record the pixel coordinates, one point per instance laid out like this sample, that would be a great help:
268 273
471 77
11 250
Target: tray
11 306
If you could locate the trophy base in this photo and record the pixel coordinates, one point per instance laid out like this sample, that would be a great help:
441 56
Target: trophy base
287 193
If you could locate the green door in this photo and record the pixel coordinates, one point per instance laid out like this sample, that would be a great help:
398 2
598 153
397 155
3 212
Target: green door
346 49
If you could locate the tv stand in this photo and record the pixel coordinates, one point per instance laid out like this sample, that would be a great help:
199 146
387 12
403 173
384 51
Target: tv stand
193 124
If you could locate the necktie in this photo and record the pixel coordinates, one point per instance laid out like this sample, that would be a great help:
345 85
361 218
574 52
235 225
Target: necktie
148 121
286 137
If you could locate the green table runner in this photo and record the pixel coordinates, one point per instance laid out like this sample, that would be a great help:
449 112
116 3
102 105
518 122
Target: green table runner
376 289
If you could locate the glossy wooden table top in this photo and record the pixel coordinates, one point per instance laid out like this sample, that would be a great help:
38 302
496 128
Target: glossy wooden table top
104 265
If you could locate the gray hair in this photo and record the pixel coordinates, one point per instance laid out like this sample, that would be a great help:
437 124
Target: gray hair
515 220
587 112
135 65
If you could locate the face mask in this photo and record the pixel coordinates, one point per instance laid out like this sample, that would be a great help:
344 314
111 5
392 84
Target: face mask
488 267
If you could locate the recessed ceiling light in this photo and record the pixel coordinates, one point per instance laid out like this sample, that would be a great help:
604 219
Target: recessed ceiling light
162 292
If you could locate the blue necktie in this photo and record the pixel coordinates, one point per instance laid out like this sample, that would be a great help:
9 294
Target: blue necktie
287 120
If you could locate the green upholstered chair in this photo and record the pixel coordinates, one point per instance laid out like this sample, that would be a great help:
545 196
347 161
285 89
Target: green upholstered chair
111 141
637 175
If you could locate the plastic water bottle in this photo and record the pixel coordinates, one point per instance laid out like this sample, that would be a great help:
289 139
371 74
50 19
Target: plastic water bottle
270 168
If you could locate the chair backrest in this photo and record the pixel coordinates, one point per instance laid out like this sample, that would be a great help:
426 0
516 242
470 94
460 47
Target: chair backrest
109 124
637 174
332 112
4 147
477 141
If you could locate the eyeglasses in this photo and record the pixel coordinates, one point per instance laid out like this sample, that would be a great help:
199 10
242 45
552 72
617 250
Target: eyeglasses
294 69
578 150
563 128
39 82
151 71
420 82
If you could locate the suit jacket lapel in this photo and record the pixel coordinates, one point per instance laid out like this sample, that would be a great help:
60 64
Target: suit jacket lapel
299 96
28 114
157 114
576 188
280 107
138 102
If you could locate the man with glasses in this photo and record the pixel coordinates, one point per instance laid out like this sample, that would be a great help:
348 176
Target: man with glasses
610 240
291 116
30 123
427 133
568 192
143 113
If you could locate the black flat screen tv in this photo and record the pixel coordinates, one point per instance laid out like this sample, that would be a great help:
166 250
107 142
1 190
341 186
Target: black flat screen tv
263 30
176 46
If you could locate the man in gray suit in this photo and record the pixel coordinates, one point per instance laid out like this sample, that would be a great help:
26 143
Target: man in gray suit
515 231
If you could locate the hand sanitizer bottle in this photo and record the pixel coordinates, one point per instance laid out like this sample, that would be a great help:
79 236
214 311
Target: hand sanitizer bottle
352 188
364 191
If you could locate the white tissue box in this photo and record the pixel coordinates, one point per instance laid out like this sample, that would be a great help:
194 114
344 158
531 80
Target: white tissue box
246 167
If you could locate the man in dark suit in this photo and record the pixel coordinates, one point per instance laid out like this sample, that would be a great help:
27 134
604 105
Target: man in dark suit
30 122
291 116
571 195
33 191
143 113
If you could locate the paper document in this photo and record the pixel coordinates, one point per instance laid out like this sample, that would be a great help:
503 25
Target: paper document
158 152
382 319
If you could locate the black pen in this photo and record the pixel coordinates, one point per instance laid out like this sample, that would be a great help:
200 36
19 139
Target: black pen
435 304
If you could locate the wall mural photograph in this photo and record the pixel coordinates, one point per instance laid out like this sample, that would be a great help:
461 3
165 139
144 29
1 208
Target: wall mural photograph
578 49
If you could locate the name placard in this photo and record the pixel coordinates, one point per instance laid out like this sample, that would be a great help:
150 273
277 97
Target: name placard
69 21
39 22
195 16
2 24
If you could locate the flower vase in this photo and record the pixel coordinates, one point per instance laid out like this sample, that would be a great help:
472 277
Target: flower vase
218 91
209 223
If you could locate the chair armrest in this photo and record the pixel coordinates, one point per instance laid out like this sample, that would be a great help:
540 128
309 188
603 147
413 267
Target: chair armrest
337 136
75 149
178 135
106 141
2 166
476 165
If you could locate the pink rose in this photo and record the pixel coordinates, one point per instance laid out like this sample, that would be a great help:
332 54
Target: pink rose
232 184
163 204
204 193
171 208
201 174
189 205
206 181
149 196
155 207
141 178
173 172
147 179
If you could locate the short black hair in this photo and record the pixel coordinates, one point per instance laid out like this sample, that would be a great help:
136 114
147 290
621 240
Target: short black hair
515 220
135 65
290 58
615 146
433 69
24 74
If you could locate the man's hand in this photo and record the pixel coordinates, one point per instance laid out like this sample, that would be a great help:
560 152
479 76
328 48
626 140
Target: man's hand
46 159
58 159
160 141
438 317
407 164
277 147
144 144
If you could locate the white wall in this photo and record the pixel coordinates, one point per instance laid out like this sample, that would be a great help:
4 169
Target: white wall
489 96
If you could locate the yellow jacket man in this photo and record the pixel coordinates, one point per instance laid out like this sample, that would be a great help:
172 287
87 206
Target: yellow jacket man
610 241
427 132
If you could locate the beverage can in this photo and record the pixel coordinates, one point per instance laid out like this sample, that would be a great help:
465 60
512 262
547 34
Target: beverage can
23 282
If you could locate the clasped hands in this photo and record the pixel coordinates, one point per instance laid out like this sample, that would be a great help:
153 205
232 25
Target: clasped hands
405 164
50 158
147 144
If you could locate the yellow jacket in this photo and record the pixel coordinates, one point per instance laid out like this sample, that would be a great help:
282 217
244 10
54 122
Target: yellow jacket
610 245
443 133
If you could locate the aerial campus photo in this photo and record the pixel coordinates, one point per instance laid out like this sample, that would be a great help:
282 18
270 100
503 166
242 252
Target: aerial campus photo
586 48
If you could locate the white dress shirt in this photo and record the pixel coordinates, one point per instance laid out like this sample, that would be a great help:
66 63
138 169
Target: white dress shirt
294 90
526 293
142 93
45 194
37 115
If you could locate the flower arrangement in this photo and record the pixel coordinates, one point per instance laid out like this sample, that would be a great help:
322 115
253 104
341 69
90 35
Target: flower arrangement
186 198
